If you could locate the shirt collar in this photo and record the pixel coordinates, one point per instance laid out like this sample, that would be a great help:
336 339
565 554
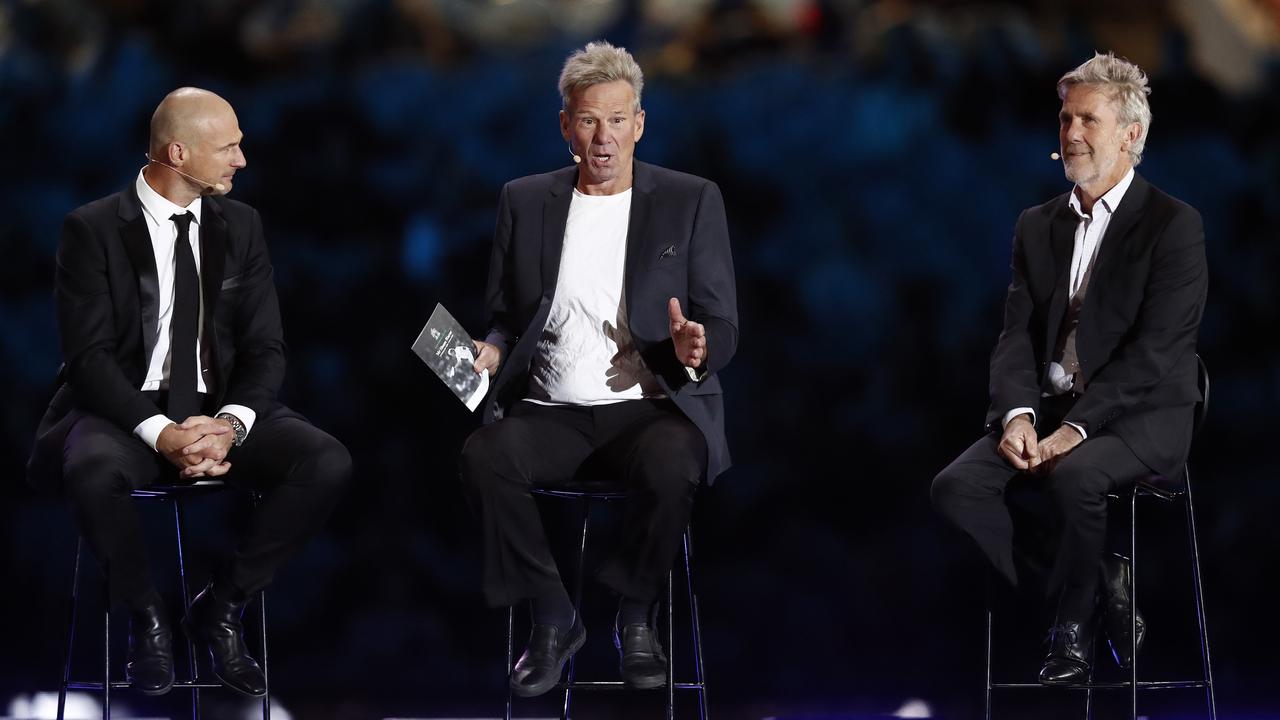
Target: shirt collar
160 208
1109 201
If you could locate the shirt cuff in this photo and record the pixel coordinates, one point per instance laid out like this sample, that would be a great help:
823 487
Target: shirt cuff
149 429
246 416
1015 413
1083 435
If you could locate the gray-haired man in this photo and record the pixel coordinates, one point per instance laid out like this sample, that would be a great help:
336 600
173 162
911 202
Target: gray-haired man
1094 377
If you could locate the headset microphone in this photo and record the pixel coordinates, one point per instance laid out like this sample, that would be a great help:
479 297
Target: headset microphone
212 186
576 157
1055 156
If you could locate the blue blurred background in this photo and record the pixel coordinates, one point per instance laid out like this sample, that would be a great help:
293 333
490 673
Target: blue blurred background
873 155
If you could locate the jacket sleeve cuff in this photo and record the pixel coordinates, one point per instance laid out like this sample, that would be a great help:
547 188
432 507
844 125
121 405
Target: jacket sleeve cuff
1083 435
246 415
149 429
1009 416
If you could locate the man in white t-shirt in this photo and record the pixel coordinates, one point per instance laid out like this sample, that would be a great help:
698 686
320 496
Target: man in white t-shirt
612 305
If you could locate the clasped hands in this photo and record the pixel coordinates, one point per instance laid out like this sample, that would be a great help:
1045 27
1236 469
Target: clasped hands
1021 448
689 337
197 446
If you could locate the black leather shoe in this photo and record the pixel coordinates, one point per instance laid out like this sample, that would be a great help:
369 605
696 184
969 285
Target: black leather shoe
1070 648
150 666
1116 604
215 624
543 659
642 662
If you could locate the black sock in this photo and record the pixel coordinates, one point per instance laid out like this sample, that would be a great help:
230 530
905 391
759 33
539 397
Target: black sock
553 608
635 612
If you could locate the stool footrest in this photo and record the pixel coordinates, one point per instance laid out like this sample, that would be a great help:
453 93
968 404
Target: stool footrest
619 685
1122 685
125 685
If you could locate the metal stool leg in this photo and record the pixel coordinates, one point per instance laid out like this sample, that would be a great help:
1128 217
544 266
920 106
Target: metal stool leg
1133 602
986 704
577 601
1199 596
1088 693
106 646
266 674
511 639
695 624
671 651
254 499
192 664
71 631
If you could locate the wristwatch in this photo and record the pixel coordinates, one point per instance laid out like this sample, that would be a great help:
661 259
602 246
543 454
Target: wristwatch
241 431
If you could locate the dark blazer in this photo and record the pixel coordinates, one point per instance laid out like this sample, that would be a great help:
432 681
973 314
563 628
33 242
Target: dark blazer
677 246
108 317
1137 335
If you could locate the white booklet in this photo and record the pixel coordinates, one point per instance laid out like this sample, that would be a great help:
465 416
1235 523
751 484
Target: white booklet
448 350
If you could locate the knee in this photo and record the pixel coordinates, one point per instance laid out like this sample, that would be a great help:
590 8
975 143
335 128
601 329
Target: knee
947 492
674 487
327 463
335 460
670 460
485 449
92 472
1075 487
671 477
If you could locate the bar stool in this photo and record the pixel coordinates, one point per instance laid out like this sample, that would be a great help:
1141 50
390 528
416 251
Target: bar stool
177 495
1169 490
588 497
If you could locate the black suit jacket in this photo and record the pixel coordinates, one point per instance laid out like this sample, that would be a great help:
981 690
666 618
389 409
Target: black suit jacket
1138 326
108 317
677 246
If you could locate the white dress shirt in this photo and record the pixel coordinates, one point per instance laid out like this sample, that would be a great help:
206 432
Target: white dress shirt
1087 241
586 355
158 212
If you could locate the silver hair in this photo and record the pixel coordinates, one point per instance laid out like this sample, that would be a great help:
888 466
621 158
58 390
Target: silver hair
1127 86
599 62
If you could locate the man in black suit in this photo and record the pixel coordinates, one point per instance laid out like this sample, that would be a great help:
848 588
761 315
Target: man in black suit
597 365
173 354
1094 377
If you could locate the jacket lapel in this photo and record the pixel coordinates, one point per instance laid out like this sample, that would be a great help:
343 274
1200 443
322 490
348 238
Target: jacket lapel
1112 247
639 244
213 260
137 243
213 256
555 215
1062 234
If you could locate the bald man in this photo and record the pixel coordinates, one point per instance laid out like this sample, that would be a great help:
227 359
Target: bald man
172 357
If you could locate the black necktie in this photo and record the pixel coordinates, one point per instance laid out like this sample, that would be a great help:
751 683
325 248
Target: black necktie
184 401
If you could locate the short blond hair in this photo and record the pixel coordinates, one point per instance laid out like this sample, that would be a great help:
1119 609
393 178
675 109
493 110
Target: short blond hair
599 62
1125 83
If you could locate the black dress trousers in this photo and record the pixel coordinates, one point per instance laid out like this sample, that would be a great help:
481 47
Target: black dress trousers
970 494
647 445
299 469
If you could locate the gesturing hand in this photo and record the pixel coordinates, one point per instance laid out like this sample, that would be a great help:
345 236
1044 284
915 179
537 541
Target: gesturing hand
1018 445
690 337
